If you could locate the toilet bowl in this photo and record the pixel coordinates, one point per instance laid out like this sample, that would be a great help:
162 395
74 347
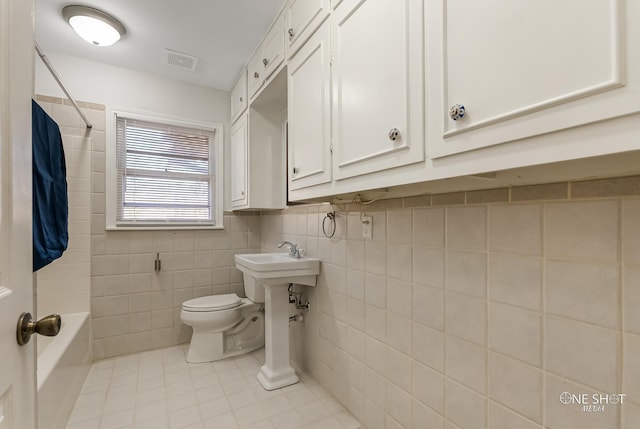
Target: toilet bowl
223 326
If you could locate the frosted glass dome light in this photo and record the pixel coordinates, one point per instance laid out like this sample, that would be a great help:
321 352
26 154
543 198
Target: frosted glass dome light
93 25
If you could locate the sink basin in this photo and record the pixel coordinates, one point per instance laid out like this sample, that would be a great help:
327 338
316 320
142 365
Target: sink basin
279 267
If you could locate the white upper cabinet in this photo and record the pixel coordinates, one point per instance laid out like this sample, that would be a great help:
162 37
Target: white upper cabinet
257 160
239 96
378 89
387 93
309 108
239 178
258 115
303 18
267 58
258 167
522 69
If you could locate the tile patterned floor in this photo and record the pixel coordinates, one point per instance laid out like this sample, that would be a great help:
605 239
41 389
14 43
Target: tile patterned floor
159 390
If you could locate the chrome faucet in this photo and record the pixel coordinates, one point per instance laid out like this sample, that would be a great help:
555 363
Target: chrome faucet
294 250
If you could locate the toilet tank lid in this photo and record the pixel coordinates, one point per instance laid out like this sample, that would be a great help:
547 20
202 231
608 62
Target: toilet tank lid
212 302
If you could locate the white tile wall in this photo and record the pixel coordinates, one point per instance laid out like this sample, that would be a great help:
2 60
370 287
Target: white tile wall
507 380
516 332
475 316
64 285
135 308
582 230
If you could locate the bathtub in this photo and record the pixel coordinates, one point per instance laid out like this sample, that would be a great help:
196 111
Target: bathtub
63 364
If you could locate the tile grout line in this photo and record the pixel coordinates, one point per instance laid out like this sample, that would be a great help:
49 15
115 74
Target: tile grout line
487 312
621 307
543 317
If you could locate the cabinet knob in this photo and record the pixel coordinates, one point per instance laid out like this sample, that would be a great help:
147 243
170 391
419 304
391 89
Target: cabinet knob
394 134
291 32
296 170
256 75
241 99
265 61
457 112
242 193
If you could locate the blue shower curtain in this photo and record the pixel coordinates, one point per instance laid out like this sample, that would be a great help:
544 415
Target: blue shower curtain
50 200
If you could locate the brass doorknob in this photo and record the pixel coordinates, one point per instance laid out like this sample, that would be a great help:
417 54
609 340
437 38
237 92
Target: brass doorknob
48 326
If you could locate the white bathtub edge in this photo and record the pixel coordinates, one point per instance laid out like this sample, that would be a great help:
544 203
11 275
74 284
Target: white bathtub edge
63 368
49 358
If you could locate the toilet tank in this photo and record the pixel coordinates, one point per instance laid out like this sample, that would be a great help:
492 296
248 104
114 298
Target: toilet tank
253 289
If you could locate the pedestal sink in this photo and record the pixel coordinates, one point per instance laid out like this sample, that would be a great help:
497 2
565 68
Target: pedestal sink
275 271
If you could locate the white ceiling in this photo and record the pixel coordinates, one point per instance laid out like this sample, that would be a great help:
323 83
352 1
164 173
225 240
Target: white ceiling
221 33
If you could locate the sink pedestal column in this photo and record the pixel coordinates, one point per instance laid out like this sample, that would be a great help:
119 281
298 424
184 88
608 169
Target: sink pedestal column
276 371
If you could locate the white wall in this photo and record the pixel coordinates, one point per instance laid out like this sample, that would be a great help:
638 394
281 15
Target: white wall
116 86
111 86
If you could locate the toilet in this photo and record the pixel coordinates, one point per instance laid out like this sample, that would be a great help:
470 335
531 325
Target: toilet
225 325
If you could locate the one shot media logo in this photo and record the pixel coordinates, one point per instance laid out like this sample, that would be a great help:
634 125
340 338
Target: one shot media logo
592 402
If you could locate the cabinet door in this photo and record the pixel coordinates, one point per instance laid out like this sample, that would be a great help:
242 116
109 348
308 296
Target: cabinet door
522 69
239 96
309 110
273 48
303 18
378 89
255 71
239 171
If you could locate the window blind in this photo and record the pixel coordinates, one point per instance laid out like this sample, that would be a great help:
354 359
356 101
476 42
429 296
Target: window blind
165 174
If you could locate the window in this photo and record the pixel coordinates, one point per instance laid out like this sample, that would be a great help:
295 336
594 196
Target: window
163 173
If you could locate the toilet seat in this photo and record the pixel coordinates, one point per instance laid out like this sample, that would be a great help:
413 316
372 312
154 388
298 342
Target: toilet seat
212 303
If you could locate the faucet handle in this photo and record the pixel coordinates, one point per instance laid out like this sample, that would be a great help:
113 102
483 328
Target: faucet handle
294 251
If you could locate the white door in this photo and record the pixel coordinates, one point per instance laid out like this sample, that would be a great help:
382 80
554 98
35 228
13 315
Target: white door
17 364
273 48
309 108
239 140
239 97
522 69
255 74
377 79
303 17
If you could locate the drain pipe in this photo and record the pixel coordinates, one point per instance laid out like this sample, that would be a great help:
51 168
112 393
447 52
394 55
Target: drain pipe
298 317
296 298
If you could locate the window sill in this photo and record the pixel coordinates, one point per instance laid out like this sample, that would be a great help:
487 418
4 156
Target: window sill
162 227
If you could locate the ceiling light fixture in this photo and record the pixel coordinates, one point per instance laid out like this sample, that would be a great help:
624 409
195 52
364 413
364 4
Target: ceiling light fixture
93 25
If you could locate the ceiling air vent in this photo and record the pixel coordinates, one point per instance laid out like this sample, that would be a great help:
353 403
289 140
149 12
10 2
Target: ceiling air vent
180 60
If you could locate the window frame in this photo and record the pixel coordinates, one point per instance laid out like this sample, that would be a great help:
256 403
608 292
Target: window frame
111 173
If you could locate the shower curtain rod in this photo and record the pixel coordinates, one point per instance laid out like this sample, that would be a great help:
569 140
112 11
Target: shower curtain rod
46 62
